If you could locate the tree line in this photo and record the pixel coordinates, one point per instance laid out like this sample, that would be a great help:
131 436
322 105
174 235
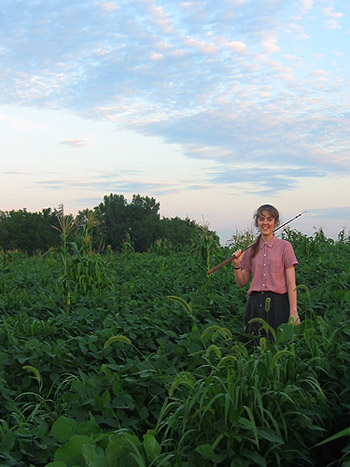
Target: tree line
116 221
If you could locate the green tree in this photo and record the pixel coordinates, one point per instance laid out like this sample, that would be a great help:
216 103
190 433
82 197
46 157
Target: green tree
113 217
143 221
28 231
180 232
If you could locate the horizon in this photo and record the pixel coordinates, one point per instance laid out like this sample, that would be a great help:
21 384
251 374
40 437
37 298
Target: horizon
224 236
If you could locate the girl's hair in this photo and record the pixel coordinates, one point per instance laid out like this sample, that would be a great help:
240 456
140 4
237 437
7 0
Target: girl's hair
273 213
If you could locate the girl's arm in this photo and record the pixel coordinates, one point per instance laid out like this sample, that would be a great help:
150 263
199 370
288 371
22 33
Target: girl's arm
241 275
292 294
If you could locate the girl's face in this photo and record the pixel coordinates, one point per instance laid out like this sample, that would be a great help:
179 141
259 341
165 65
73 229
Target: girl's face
266 224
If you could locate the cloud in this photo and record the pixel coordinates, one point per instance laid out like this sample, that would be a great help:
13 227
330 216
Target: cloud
202 46
306 6
237 46
270 44
160 18
319 73
155 56
108 6
74 143
332 22
329 13
334 212
300 31
117 183
16 172
263 180
226 82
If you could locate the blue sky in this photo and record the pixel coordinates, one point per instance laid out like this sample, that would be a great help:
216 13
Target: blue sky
213 108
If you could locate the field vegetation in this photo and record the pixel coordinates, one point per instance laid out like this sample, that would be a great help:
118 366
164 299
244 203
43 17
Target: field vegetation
140 359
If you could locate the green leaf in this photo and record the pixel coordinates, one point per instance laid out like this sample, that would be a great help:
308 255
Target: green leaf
278 355
340 434
106 398
120 449
63 428
287 331
151 445
94 458
88 428
255 457
56 464
269 435
206 451
7 442
71 453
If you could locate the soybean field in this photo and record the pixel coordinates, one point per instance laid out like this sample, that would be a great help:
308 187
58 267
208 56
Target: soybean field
127 359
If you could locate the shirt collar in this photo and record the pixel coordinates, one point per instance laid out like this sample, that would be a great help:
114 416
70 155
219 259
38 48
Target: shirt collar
270 244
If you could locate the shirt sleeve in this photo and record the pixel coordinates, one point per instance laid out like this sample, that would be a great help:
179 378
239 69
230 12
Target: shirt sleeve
245 263
289 256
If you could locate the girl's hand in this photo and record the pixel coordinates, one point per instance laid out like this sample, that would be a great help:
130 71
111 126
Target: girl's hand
295 318
237 256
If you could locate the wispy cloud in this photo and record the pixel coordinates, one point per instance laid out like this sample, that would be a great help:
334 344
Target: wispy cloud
335 213
260 90
74 143
333 17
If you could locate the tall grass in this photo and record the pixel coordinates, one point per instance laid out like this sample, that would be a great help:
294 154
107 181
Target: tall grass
265 407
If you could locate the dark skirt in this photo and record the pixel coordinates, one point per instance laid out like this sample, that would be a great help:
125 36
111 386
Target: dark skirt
269 306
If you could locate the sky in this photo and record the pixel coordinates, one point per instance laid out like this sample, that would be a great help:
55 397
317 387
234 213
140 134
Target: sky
212 108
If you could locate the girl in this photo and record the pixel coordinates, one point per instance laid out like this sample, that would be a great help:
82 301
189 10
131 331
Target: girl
270 261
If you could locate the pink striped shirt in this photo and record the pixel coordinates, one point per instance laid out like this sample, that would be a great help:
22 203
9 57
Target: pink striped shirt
269 265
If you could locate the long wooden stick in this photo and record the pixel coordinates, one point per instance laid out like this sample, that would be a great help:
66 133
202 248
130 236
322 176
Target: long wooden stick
231 258
218 266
